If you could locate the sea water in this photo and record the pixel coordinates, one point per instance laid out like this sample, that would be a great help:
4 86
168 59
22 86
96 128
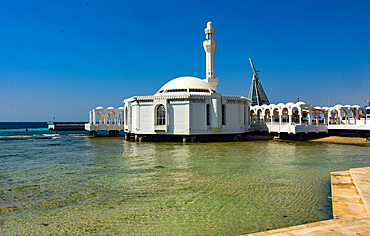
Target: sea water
68 183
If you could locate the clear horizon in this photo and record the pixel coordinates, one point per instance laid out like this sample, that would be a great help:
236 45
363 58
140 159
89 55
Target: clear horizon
63 58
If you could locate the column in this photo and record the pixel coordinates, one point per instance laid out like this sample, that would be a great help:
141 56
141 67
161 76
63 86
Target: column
94 116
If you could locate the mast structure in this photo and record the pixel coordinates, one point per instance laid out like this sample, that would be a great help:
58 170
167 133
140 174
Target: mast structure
256 92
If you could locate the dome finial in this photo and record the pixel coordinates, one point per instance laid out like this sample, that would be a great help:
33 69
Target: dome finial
209 19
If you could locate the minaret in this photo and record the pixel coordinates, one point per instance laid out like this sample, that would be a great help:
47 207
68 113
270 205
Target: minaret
210 47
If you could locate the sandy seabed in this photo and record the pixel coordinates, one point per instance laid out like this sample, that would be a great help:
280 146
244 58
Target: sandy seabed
344 140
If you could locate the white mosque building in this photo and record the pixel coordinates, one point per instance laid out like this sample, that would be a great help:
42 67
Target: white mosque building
185 107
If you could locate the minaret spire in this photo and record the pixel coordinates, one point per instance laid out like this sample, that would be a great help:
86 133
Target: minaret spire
210 47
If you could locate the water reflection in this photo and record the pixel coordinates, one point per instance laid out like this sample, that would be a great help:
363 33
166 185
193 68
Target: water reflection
161 168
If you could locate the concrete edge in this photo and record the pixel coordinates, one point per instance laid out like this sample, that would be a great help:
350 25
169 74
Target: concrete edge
359 189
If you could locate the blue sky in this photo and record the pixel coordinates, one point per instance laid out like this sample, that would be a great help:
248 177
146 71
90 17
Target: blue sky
63 58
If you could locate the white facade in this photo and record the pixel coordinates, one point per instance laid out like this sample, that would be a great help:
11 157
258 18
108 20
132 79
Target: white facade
192 110
188 105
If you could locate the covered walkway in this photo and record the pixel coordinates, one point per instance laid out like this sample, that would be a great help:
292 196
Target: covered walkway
304 118
288 118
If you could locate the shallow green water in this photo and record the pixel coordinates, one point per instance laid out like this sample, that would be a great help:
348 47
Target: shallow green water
77 185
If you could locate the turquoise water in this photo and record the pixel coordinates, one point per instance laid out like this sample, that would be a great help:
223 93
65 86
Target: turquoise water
21 130
68 183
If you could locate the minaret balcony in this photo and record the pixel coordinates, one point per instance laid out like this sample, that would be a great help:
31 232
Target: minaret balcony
210 45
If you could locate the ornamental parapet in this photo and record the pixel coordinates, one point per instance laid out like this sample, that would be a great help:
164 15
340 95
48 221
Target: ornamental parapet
232 97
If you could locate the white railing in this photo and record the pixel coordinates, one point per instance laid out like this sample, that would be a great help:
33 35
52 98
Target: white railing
276 127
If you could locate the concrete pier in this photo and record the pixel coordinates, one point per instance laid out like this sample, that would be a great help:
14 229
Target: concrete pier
351 208
66 126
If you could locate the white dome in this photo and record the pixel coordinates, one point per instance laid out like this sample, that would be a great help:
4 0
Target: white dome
99 107
186 84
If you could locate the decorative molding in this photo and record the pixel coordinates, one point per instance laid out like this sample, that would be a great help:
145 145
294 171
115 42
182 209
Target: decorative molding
234 102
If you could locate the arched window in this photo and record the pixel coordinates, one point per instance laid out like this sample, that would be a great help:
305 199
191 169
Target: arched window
252 117
259 116
161 115
267 116
223 114
295 115
208 108
285 116
276 115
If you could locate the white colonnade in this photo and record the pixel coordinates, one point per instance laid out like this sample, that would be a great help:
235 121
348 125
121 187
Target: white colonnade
106 116
302 117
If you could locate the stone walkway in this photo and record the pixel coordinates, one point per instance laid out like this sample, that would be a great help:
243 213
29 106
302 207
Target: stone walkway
351 208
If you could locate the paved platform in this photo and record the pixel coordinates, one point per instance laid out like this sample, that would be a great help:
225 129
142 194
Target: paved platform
351 205
346 201
361 179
